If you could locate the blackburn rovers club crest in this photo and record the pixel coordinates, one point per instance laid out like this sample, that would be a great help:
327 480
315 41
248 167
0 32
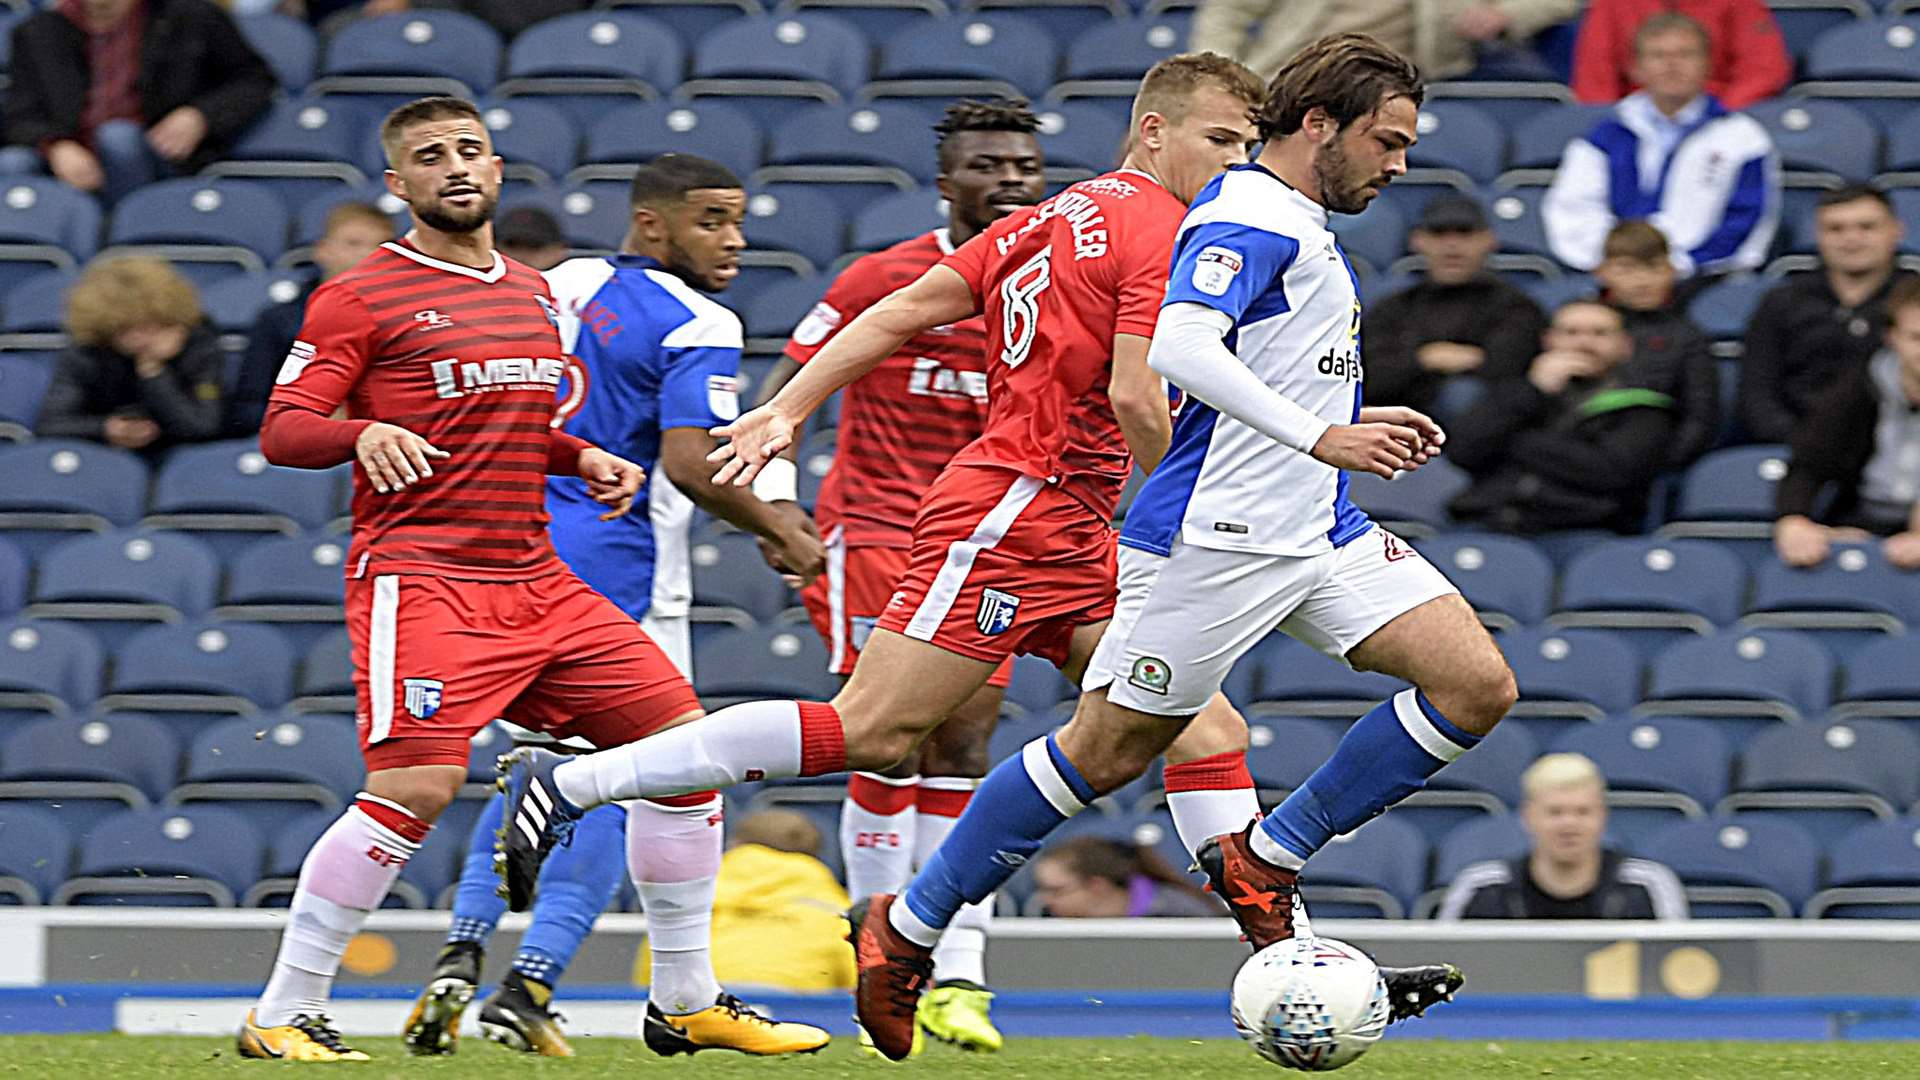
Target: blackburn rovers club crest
422 696
996 611
1152 674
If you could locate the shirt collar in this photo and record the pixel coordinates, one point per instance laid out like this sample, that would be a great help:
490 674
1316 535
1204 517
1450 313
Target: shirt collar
1312 209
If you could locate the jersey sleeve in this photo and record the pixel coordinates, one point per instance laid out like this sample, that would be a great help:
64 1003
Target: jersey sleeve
572 284
330 354
850 294
971 258
1227 266
1143 286
700 380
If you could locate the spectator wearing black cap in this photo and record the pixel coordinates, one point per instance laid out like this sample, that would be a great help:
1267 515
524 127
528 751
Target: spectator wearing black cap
529 234
1460 322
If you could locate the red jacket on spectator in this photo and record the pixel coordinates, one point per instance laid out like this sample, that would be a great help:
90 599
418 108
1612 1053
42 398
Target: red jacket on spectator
1750 62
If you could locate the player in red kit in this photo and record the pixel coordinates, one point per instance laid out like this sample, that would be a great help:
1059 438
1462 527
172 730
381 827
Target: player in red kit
899 426
446 357
1013 546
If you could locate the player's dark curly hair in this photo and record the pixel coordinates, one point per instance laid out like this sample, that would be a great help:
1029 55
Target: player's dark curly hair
1000 114
1348 75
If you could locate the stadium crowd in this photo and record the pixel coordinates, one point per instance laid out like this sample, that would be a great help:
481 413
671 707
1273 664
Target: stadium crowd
1654 286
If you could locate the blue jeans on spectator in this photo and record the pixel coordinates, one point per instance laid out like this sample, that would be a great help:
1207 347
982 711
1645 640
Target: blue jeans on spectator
121 146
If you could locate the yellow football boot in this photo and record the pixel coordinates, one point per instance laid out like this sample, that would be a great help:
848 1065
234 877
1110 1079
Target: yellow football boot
517 1017
867 1048
433 1027
727 1025
957 1013
307 1038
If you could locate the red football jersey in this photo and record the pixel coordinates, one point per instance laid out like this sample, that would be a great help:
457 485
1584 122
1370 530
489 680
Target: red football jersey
1056 283
469 360
903 421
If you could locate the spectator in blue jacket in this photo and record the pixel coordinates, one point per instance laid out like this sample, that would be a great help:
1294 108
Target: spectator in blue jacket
1671 155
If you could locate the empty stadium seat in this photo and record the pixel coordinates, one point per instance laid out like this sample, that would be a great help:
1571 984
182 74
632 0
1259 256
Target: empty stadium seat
1867 49
325 683
287 849
226 491
202 668
1459 138
690 20
293 582
772 661
1882 678
1658 769
731 579
1579 672
1496 837
1739 866
1378 236
33 312
1515 215
1728 494
24 378
191 221
879 145
36 848
1378 870
119 580
1539 142
981 54
1829 778
1854 595
800 55
1723 309
301 150
1873 872
436 866
537 141
1493 767
1801 22
13 578
1821 136
274 769
47 667
1122 50
1413 504
1310 684
233 305
1507 579
1079 140
772 314
57 488
1656 588
1283 751
42 211
411 53
1742 673
199 856
626 136
897 217
784 217
585 61
287 44
127 758
1037 687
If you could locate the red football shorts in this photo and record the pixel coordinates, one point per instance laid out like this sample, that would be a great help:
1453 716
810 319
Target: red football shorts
1002 564
437 659
846 601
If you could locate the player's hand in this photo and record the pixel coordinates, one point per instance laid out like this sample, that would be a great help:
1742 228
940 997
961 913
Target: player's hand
1380 449
394 457
1432 438
612 480
1801 541
797 552
749 443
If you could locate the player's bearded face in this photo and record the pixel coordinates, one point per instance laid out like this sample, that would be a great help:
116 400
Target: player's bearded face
448 175
704 240
990 174
1364 157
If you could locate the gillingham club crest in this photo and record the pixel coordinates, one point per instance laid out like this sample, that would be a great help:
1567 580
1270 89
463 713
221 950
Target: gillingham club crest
996 611
421 697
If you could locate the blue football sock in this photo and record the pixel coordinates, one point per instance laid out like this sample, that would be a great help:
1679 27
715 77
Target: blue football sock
1023 799
1385 756
576 883
476 906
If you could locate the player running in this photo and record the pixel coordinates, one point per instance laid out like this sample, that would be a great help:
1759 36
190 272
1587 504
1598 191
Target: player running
652 368
899 426
1246 527
446 357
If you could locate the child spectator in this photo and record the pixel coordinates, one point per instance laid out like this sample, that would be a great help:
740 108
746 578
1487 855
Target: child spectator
1670 354
1091 877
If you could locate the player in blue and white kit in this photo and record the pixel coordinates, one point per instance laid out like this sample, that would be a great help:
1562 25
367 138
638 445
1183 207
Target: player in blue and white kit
653 365
1246 527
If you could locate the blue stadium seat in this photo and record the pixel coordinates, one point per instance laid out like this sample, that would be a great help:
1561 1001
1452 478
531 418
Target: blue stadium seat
537 141
1821 136
13 578
816 460
1723 309
1659 770
200 857
59 487
436 866
1311 684
292 582
1829 778
1656 587
1873 873
1122 50
1413 504
287 44
1068 21
882 142
1283 751
1080 140
1493 767
311 222
1378 870
578 60
1539 142
33 314
286 849
1379 236
202 668
1550 294
879 20
411 53
690 20
771 661
203 223
36 848
783 217
1495 837
1460 138
1733 486
797 55
1867 49
1882 679
633 134
1740 866
24 378
1508 580
1580 672
1743 673
729 575
326 676
1515 213
119 580
1037 687
39 210
970 54
301 150
1851 599
902 216
594 215
47 667
222 490
127 758
772 313
1903 147
276 769
233 305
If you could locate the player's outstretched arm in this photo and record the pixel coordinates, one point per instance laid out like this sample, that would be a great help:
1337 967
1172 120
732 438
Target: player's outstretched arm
787 535
938 297
1140 403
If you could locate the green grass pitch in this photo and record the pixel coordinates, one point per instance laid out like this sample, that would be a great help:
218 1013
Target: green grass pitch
115 1057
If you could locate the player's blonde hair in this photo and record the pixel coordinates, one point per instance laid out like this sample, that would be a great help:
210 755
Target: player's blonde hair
1554 772
1170 84
126 291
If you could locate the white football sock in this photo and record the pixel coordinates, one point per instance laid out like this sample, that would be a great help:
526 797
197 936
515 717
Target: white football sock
877 833
673 853
758 740
962 950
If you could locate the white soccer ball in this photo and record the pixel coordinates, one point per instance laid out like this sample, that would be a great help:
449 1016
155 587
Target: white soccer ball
1313 1004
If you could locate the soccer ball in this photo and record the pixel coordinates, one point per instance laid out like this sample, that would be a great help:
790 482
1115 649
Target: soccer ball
1313 1004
